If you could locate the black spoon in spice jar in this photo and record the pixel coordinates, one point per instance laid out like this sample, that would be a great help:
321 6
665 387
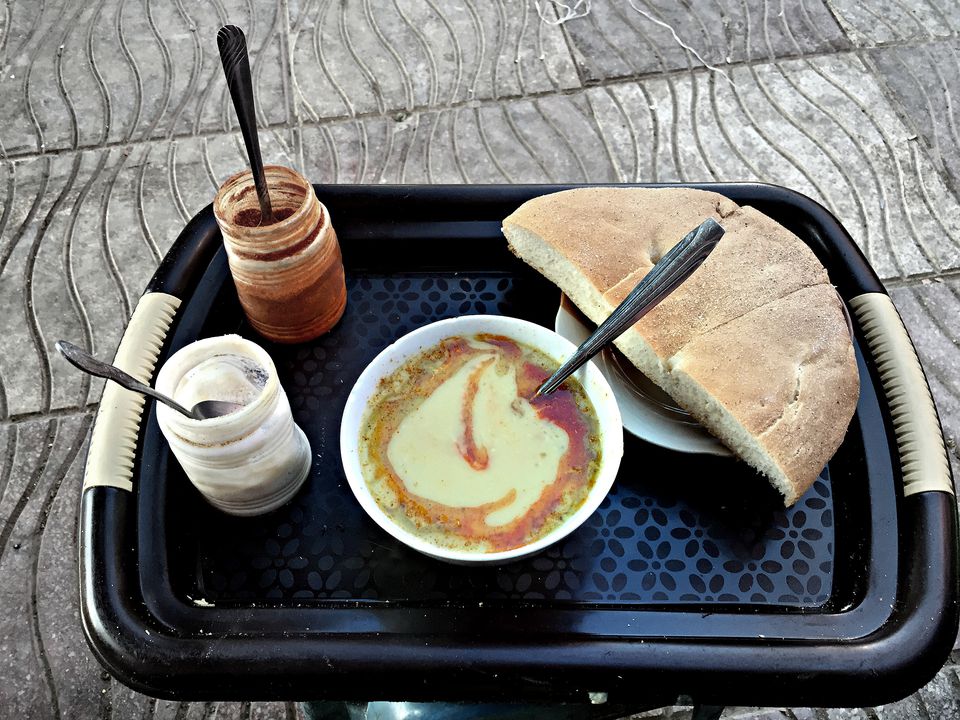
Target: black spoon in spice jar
236 67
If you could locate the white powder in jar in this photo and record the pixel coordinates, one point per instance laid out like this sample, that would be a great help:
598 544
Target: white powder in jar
226 377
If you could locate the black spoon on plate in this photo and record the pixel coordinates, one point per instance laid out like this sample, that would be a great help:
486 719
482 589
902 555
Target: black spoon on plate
236 67
665 276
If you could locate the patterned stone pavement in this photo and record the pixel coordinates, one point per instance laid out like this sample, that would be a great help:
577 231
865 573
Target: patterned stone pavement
115 128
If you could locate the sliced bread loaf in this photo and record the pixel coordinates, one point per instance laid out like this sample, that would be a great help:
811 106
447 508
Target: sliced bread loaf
754 344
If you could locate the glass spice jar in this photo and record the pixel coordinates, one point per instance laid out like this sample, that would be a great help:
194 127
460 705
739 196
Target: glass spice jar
289 274
250 461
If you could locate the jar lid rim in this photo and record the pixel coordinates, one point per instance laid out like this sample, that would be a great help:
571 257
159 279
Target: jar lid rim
244 179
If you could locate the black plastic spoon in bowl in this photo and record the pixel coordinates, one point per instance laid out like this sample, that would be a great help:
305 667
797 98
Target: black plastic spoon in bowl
236 67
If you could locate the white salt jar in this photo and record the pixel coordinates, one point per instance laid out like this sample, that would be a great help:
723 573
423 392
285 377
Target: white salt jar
250 461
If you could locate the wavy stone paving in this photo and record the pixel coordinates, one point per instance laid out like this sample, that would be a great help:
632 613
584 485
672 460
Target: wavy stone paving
363 57
798 123
85 74
115 128
636 38
926 78
82 232
891 21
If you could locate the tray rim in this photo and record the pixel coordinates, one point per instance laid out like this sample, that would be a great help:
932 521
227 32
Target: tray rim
875 633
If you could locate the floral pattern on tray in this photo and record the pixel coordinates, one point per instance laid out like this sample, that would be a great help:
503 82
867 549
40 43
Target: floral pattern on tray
656 539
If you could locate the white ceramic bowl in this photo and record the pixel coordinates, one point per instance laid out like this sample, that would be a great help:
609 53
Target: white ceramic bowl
548 342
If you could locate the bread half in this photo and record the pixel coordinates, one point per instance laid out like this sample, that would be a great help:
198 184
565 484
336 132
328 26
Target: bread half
754 344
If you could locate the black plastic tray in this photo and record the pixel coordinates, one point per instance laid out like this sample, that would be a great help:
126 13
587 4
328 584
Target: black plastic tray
691 578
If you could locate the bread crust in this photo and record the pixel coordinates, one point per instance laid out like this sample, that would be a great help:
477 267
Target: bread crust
796 401
598 228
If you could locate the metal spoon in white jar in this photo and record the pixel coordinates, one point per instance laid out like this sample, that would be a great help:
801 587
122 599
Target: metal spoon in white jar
79 358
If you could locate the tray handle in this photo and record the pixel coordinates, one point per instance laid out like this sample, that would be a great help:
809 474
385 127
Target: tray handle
923 455
113 442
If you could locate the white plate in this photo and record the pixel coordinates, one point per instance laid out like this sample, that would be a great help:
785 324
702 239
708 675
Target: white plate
647 411
545 340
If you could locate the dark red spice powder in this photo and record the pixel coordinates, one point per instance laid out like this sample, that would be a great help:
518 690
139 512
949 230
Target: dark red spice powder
251 216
